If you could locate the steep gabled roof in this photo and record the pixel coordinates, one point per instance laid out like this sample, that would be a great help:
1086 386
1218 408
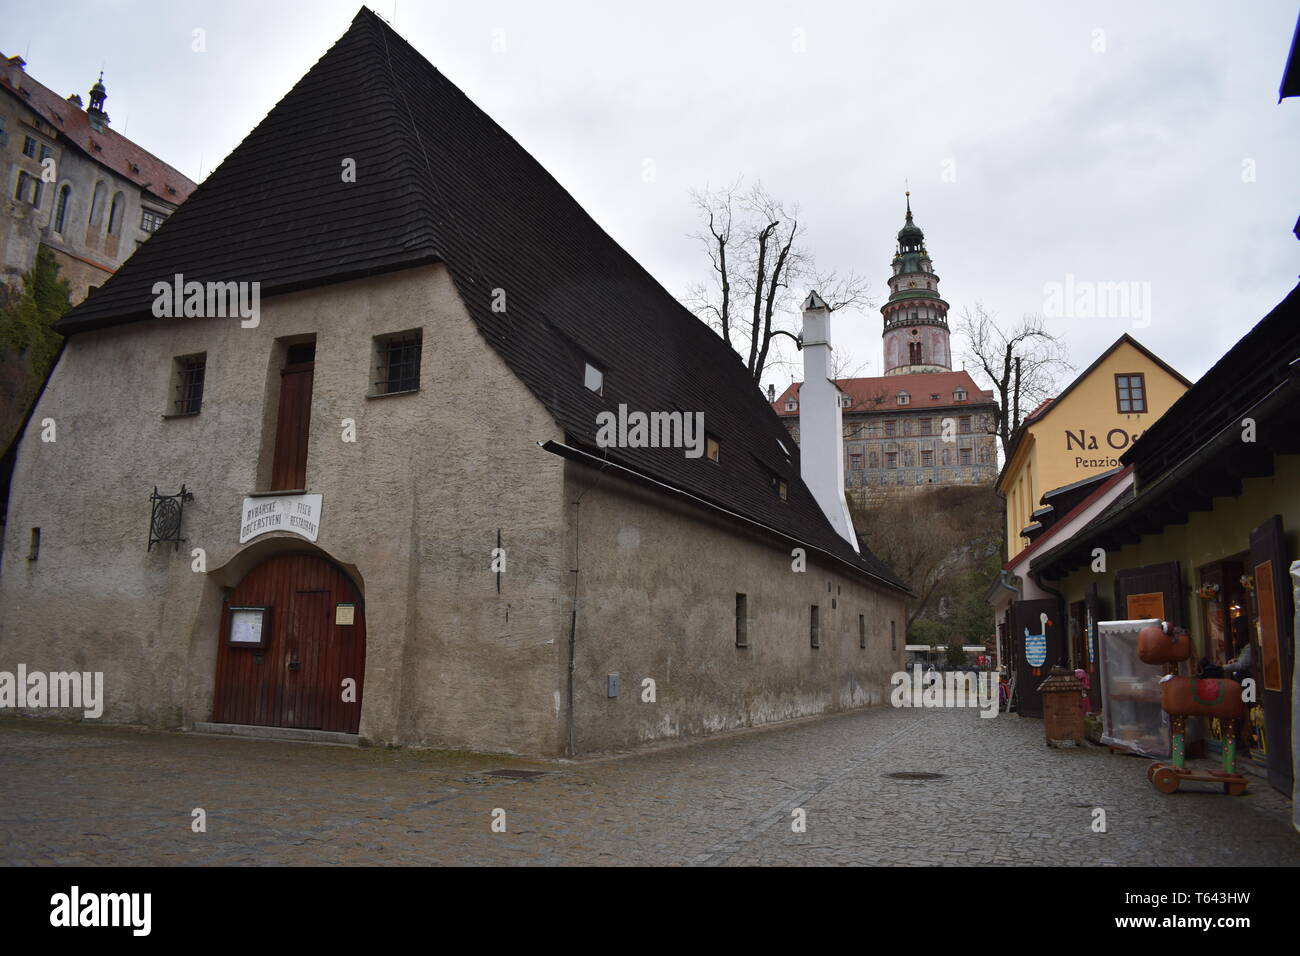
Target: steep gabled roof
438 180
107 146
1048 406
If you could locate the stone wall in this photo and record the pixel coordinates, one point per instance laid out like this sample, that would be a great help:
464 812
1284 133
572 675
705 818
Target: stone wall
657 585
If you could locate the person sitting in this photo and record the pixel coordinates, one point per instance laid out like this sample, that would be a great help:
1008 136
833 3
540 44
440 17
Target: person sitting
1241 666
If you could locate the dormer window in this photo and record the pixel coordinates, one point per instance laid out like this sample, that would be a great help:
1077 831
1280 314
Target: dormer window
959 395
904 398
594 379
845 401
779 485
791 405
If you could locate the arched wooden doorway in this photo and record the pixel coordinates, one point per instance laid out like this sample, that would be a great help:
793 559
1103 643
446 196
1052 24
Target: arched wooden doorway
296 675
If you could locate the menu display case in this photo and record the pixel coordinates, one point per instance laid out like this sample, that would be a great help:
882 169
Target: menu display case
1132 717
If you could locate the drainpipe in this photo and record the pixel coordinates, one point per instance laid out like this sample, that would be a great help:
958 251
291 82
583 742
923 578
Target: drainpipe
572 747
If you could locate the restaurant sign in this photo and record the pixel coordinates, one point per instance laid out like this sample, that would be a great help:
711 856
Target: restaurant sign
296 514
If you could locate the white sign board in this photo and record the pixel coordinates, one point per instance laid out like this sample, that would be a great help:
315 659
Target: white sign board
246 625
297 514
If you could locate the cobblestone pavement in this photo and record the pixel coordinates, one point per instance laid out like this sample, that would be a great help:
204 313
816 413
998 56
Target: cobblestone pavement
80 794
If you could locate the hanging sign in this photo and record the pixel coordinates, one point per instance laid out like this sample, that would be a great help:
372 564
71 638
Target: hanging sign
296 514
1036 644
1149 605
1268 644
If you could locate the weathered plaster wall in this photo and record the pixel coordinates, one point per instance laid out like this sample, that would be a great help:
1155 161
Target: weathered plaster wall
657 589
411 510
400 508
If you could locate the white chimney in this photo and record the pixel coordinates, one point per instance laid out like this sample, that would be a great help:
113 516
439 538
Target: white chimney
821 426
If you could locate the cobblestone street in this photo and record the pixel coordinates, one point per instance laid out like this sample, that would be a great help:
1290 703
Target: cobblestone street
78 794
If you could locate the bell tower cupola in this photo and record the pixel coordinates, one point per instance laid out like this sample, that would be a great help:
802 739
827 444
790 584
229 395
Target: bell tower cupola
95 109
916 319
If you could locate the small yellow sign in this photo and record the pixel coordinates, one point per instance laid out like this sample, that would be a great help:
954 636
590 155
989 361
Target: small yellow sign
345 614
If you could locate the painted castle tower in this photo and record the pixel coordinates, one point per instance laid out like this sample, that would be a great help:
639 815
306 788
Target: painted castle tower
916 319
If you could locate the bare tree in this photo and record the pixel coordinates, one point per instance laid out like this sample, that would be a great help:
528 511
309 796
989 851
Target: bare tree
1021 361
930 538
761 270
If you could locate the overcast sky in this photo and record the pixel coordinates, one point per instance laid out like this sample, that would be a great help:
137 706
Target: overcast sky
1116 142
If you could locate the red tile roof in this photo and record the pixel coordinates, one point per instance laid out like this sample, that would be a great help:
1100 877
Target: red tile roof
1040 410
108 148
868 394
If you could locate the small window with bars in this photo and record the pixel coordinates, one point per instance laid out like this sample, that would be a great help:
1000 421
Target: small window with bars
815 627
742 620
188 373
150 220
397 363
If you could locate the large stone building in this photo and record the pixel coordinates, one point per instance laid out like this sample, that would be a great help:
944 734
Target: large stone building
74 184
399 518
921 424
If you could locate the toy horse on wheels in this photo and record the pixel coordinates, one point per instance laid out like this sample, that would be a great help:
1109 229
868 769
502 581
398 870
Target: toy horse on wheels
1183 697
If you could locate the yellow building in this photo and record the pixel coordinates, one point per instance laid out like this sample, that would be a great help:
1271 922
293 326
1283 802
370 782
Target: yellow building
1084 430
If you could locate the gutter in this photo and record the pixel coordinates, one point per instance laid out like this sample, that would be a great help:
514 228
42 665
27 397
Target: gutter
630 474
1003 580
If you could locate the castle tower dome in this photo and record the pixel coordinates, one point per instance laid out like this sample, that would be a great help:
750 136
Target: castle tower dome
95 109
916 318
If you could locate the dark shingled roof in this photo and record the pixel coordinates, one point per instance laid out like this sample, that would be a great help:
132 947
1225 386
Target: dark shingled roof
438 180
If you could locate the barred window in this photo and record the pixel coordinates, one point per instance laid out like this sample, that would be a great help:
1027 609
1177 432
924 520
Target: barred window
397 362
814 628
61 213
187 384
742 620
150 220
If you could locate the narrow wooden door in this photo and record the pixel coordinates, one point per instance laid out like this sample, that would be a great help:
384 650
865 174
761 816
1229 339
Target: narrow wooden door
1036 629
293 421
311 671
1155 590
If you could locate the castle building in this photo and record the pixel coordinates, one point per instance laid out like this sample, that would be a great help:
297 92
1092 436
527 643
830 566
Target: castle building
921 424
74 184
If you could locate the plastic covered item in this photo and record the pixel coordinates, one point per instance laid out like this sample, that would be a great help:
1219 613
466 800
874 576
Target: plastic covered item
1132 717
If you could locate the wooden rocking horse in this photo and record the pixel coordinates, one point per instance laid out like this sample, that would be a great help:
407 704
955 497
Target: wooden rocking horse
1183 697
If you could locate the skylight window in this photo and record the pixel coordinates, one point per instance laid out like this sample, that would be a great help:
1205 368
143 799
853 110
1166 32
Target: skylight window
594 379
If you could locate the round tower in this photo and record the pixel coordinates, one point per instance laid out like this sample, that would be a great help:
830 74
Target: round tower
916 319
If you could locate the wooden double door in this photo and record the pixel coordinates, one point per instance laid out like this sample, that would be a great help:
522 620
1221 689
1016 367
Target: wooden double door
310 671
